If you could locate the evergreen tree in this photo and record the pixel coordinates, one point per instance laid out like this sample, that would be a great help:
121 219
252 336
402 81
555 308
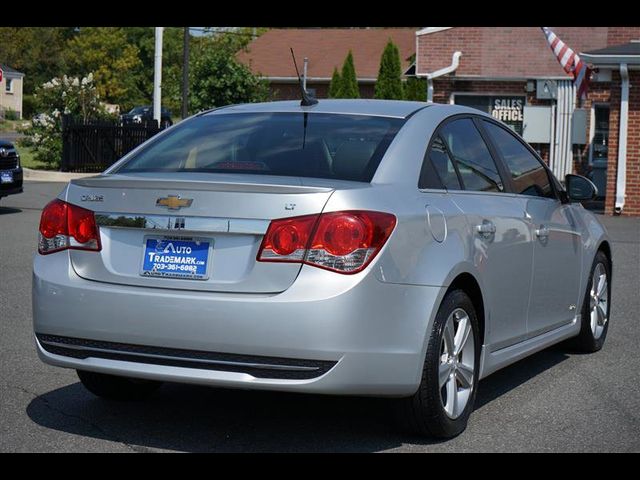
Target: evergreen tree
335 85
416 89
349 87
389 83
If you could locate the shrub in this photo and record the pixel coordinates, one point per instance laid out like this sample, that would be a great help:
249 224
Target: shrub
416 89
76 97
10 114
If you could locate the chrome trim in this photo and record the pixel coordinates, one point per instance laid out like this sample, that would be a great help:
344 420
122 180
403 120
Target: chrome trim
181 223
265 366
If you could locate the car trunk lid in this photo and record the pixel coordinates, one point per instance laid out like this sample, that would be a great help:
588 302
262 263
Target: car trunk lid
226 215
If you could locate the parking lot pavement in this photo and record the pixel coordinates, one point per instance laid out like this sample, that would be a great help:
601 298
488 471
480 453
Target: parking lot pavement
552 401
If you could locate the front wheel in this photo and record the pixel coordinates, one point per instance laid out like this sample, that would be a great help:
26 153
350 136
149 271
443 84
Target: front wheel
117 388
444 401
595 308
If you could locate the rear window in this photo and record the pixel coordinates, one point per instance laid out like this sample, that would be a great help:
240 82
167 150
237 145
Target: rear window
333 146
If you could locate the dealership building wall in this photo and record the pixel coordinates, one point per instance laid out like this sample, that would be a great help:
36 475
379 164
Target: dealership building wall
511 73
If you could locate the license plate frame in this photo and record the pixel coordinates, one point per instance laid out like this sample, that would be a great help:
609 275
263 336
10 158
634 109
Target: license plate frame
171 273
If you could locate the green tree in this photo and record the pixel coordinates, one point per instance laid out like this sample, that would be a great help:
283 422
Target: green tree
114 61
335 85
389 83
216 78
416 89
76 97
35 51
349 83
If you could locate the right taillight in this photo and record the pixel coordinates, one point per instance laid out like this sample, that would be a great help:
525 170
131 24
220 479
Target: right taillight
343 242
63 225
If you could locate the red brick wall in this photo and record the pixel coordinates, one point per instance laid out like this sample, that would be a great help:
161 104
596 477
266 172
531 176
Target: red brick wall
516 52
620 35
632 198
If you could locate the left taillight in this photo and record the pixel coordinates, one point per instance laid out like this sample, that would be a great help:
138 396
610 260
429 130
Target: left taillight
63 225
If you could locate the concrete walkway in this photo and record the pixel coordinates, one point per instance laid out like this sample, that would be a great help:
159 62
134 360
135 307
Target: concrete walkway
52 176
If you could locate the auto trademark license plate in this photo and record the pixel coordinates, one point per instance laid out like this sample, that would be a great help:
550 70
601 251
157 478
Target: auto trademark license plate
6 177
176 257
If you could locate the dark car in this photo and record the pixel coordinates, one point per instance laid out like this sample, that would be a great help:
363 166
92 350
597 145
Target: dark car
10 170
145 114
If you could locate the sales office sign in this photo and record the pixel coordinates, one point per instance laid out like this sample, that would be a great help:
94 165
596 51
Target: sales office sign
508 110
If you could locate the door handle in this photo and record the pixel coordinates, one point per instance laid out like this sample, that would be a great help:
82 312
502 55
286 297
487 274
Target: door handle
486 228
542 232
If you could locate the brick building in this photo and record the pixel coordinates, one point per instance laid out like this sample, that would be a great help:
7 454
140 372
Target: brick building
326 49
511 73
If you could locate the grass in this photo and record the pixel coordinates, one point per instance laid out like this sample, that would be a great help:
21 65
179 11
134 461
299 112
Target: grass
27 159
10 125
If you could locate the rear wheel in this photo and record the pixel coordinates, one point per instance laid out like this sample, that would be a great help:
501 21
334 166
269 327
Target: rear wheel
444 401
117 388
595 308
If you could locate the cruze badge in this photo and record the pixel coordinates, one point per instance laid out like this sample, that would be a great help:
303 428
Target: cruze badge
174 202
92 198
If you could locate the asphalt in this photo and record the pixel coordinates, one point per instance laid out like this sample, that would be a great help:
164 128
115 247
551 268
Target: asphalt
554 401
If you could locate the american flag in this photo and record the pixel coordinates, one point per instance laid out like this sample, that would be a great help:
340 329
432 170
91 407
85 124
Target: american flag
571 62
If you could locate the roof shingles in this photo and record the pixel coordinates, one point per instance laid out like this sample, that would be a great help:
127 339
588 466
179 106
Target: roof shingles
326 49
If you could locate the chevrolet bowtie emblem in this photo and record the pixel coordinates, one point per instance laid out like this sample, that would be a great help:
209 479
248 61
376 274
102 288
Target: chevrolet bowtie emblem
174 202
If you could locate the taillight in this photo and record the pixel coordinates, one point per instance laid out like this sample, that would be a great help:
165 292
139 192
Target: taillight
63 225
343 242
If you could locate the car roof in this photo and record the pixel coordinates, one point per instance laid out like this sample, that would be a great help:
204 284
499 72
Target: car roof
382 108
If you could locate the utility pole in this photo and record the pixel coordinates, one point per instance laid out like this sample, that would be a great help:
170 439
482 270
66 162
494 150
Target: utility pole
185 74
157 76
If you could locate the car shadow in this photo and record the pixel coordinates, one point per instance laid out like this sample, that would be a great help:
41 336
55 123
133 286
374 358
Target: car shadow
193 418
8 210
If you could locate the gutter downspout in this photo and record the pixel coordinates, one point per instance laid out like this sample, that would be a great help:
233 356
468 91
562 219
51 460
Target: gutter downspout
455 62
621 181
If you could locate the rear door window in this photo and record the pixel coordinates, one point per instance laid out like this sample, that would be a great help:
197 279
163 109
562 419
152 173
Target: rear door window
478 170
527 172
332 146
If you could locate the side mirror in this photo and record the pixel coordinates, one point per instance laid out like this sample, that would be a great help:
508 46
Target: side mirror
579 188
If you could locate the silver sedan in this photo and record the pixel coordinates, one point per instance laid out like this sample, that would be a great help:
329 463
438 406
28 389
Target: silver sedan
352 247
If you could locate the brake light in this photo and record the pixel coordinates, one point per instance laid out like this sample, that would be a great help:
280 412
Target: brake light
63 225
344 242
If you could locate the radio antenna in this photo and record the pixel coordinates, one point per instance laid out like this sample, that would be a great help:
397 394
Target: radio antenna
307 100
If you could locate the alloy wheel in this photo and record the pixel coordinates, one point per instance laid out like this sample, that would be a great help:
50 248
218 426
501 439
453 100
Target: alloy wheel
457 363
599 300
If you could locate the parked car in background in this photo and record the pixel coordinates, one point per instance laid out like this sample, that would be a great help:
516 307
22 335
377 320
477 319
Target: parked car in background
353 247
145 114
10 170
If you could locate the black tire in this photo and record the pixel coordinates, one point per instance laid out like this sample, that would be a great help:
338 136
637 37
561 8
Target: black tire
424 413
166 124
117 388
586 341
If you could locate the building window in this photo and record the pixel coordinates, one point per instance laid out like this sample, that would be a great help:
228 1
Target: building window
506 108
8 86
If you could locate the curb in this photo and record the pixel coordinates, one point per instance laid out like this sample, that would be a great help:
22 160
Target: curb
52 176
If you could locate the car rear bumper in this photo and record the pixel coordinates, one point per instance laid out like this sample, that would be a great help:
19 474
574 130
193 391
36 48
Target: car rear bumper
327 333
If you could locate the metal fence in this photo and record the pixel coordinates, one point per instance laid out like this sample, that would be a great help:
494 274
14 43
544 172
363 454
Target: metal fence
97 144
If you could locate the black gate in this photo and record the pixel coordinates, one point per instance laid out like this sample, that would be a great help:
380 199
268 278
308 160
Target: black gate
95 145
